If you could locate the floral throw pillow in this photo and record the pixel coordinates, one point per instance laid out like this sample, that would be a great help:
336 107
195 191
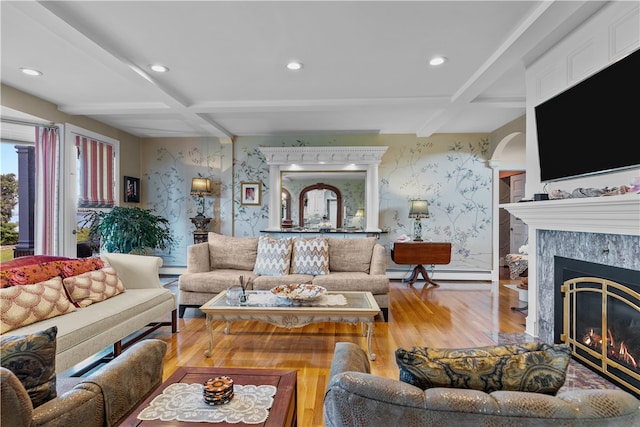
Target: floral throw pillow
29 274
32 358
74 267
532 367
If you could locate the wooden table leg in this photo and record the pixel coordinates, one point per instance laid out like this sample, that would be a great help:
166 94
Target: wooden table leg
370 326
209 326
419 269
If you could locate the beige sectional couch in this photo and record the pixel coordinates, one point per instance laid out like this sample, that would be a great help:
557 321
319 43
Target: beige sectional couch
86 331
354 264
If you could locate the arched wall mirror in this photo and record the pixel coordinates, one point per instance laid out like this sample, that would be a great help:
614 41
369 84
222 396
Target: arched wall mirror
320 203
335 194
329 164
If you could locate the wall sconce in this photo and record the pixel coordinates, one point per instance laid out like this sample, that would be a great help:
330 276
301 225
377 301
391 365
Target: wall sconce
200 187
360 213
418 209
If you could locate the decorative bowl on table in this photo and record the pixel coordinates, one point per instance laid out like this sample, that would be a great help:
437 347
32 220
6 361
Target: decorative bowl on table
299 291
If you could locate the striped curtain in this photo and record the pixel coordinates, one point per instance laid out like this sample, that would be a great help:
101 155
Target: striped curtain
96 173
47 210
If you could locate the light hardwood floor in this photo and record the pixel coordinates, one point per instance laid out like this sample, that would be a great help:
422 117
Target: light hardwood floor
453 315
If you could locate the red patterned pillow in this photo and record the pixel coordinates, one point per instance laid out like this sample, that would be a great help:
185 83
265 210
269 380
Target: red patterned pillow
75 267
93 286
29 274
29 260
23 305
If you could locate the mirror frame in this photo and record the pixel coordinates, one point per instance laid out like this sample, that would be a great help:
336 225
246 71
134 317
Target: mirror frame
357 158
320 186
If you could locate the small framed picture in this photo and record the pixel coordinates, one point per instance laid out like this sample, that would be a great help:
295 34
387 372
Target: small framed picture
131 189
250 193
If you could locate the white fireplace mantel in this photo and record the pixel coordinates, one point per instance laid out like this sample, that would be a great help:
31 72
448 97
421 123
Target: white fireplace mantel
607 214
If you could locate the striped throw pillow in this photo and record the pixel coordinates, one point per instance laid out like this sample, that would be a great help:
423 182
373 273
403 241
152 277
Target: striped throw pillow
274 256
310 256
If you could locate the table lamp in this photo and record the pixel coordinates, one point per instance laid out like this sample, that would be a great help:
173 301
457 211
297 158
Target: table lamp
200 187
418 209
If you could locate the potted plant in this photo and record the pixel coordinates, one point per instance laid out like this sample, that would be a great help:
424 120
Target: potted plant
130 230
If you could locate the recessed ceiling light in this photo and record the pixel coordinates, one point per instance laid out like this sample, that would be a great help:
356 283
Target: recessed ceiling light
294 65
437 60
159 68
30 71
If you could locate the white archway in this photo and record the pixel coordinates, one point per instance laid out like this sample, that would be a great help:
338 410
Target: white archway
509 155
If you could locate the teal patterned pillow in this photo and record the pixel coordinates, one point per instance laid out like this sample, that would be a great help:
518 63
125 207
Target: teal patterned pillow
533 367
274 256
32 358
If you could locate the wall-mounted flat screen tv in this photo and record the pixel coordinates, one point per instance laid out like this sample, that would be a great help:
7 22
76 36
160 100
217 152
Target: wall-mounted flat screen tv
594 126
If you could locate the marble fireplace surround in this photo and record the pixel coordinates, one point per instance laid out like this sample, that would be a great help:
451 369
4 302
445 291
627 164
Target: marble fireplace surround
604 230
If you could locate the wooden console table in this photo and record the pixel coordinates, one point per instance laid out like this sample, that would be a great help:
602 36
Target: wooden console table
421 253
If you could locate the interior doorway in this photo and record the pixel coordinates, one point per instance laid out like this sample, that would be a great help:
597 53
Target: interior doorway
509 166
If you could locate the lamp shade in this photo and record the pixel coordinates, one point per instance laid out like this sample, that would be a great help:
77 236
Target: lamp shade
418 209
360 212
201 186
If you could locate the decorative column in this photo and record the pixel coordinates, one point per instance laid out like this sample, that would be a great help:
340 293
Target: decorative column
26 197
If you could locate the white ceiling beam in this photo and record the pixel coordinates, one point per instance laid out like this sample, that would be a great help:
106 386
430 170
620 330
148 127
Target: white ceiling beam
77 34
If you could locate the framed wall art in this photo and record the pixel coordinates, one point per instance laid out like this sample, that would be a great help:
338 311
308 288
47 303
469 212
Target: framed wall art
131 189
250 193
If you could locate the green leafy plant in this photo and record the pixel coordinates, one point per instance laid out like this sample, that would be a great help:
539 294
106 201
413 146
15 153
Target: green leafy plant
130 230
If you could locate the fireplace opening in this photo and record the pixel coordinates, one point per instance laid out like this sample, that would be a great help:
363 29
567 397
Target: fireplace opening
598 314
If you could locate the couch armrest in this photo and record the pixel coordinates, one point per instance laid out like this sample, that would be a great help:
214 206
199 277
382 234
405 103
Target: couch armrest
348 357
198 258
77 407
135 271
378 260
15 408
129 379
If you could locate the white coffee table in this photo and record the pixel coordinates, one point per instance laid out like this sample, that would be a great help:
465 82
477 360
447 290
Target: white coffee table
360 307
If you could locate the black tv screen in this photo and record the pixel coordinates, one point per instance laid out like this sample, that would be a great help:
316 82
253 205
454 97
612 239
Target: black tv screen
594 126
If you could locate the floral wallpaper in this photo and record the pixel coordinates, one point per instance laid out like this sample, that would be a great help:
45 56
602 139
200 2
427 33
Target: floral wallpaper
167 169
450 171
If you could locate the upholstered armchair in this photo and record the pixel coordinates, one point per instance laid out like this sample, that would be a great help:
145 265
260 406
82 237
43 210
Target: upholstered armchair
103 398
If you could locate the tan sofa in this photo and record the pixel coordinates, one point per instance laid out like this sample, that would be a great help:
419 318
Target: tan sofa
357 264
103 398
89 330
354 397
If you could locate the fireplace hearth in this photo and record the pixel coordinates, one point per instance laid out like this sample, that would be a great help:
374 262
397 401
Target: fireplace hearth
597 312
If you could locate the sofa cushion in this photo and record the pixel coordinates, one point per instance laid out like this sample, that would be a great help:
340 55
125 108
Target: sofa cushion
533 367
265 283
274 256
93 286
350 255
32 358
354 281
310 256
26 304
212 283
232 252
